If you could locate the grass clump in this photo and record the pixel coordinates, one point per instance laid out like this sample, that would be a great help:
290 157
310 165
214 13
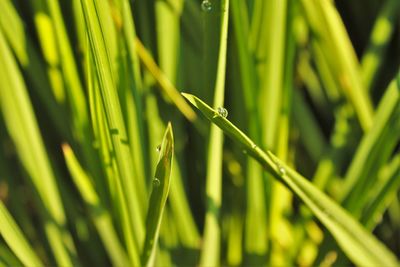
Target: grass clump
92 117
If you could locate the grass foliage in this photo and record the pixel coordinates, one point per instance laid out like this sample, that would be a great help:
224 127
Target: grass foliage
104 162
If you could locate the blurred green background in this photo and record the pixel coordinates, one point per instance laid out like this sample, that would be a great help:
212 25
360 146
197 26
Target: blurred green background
87 88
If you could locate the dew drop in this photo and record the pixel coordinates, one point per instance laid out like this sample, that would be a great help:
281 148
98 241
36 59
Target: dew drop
158 148
156 182
206 6
254 146
222 112
282 170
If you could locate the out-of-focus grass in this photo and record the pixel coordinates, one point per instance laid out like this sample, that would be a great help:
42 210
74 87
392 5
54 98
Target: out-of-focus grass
87 89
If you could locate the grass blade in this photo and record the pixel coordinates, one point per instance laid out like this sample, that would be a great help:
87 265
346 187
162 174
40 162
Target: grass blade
359 245
158 197
210 255
375 148
23 128
386 190
100 215
163 81
379 41
16 240
113 114
326 24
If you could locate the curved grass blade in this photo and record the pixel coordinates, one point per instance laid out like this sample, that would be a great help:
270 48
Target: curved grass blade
358 244
15 239
158 197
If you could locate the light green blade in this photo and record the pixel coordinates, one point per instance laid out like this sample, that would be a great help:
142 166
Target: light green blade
359 245
158 197
100 215
23 128
15 239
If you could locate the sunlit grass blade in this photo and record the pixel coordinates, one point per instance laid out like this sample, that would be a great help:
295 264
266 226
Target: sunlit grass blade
48 44
100 215
256 226
211 247
375 148
74 88
331 36
158 197
31 63
359 245
113 115
23 128
15 239
379 40
385 193
164 83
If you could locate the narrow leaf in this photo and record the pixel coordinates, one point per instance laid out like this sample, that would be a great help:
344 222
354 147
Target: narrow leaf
359 245
15 239
158 197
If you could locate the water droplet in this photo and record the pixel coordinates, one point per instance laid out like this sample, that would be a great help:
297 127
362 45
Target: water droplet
156 182
282 170
206 6
158 148
254 146
222 112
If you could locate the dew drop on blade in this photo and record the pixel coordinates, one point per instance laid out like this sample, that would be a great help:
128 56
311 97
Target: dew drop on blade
158 148
222 112
282 170
206 6
156 182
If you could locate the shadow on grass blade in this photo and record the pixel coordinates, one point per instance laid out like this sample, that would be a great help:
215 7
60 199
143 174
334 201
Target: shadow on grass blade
158 197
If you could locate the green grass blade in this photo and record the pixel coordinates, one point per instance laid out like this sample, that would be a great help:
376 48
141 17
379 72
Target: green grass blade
359 245
16 240
8 258
158 197
113 114
23 128
270 99
375 148
48 43
256 226
165 84
330 33
379 41
100 215
385 192
31 63
210 255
